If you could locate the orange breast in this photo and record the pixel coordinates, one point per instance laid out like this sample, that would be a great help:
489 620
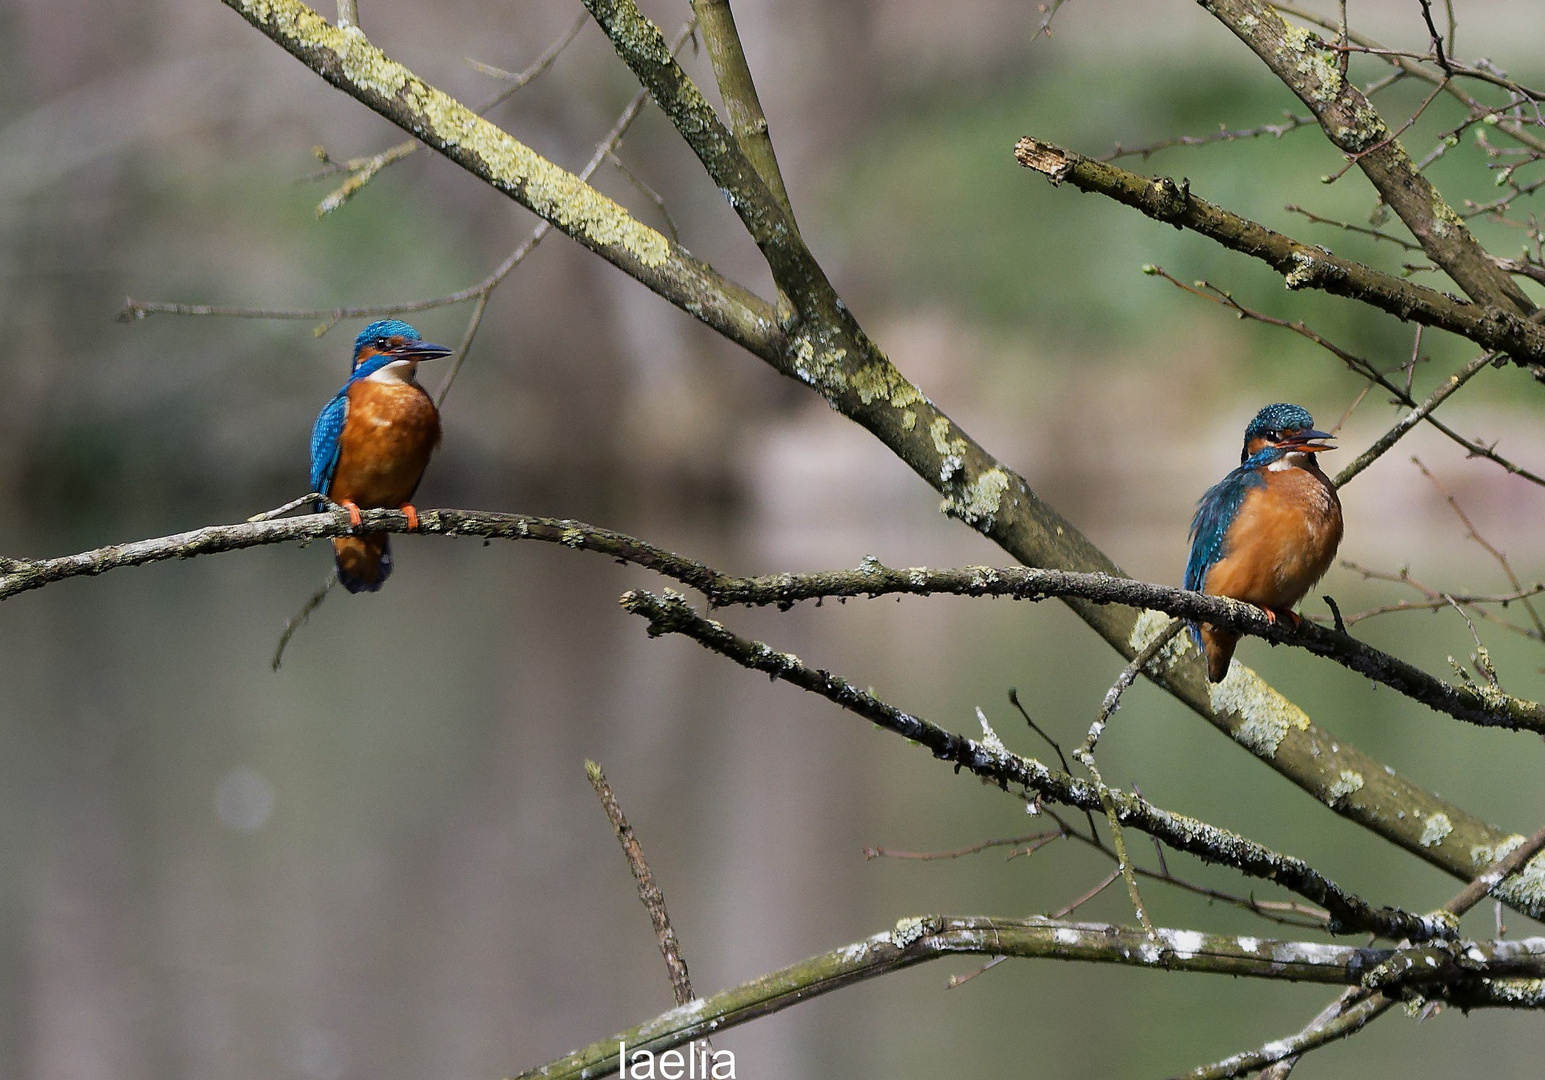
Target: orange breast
1281 542
390 431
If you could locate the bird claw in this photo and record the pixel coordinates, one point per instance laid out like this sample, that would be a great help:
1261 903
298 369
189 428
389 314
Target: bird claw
1294 619
354 515
412 516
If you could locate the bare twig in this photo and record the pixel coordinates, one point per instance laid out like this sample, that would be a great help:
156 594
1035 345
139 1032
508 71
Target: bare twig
296 621
1213 294
518 79
648 892
1412 418
1363 230
1292 123
1474 534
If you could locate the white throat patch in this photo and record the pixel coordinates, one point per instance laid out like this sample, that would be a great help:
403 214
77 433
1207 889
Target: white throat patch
1290 461
398 371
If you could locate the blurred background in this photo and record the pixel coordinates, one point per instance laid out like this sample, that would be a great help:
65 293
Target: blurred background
384 861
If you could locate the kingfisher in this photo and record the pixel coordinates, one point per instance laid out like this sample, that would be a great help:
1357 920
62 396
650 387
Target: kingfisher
372 442
1267 531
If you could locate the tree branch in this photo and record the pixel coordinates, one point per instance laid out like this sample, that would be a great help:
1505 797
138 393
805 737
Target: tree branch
1303 266
648 892
1477 704
1308 68
671 614
736 87
845 367
917 940
347 59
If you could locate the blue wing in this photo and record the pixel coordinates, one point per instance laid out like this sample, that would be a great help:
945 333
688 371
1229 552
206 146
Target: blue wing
1209 529
1214 514
324 441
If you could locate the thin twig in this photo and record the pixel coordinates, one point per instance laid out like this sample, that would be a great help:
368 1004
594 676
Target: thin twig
1223 134
1412 418
648 892
1495 553
1214 295
1347 226
296 621
518 79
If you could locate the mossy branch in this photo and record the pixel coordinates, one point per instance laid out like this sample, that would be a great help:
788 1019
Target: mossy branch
839 362
1303 266
346 58
918 940
1477 704
1308 67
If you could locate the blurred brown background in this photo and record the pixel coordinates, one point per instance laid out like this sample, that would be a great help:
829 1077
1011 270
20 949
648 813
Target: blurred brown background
385 861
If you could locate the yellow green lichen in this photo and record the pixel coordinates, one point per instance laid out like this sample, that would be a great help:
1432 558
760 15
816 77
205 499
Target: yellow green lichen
1265 715
550 191
939 430
881 381
1149 625
1314 62
980 501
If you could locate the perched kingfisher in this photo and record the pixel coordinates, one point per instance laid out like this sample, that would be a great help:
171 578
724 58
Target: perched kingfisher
1267 531
371 444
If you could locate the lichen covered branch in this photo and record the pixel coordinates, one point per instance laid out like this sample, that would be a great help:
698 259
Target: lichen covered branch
670 614
918 940
1303 266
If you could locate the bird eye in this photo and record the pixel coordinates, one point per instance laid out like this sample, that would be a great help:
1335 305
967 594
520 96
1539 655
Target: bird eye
1274 435
383 343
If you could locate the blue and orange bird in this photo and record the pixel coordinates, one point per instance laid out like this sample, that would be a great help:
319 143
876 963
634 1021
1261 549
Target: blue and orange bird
1268 530
371 444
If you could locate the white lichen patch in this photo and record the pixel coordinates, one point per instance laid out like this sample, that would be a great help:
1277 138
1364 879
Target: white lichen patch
981 500
1483 855
1436 829
1149 625
1348 782
1067 937
1265 716
908 931
1526 889
1185 943
990 737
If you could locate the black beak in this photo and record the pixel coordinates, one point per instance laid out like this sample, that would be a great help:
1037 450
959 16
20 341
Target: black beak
1308 441
419 350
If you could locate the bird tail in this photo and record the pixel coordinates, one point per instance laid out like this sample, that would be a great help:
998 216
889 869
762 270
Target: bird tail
1219 648
364 562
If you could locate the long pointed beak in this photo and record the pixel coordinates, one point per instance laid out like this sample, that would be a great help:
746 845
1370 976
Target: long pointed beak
1308 441
420 350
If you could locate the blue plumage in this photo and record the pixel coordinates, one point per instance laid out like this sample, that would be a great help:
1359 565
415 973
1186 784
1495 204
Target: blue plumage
1272 421
329 426
324 441
381 331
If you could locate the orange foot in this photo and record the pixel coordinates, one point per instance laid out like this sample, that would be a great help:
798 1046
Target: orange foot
412 515
1294 618
353 509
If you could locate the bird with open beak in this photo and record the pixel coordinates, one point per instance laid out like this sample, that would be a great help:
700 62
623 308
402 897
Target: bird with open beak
1267 531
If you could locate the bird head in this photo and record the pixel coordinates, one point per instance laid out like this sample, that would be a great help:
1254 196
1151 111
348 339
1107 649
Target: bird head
392 345
1288 429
